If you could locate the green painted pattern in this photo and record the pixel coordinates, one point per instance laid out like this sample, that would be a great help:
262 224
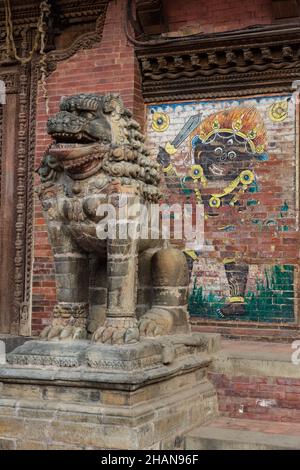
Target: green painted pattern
273 300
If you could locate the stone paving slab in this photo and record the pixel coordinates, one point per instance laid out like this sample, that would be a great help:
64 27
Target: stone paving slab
253 358
242 434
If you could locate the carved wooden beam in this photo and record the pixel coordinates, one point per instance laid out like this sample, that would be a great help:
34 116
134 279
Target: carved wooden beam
283 9
26 13
72 25
255 60
150 14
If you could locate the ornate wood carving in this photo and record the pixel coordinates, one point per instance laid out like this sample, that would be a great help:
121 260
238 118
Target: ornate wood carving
11 81
150 15
283 9
26 13
7 209
1 146
253 61
84 41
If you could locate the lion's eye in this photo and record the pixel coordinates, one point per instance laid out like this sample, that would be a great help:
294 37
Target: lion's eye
89 115
218 151
230 142
231 155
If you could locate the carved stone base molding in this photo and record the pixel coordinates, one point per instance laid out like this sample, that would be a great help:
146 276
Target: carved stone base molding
146 395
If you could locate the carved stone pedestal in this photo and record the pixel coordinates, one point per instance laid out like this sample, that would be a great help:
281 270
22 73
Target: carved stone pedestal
77 395
12 342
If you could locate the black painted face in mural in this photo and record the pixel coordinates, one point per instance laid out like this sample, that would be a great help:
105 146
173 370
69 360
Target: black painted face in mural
223 158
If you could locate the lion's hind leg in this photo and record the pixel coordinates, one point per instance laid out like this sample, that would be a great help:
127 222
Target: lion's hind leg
168 314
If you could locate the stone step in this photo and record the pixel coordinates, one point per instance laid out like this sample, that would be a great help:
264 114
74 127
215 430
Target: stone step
242 434
287 333
257 381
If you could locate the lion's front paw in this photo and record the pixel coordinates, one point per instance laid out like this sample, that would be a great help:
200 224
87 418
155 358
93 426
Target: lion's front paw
116 335
63 333
156 322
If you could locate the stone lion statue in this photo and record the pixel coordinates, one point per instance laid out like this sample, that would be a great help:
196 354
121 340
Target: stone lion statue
110 290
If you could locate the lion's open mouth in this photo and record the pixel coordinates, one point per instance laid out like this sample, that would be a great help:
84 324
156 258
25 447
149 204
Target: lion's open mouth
70 137
78 158
83 166
65 151
68 145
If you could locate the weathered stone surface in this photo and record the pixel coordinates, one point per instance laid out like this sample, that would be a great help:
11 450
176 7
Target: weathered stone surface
12 342
11 427
44 353
7 444
224 434
170 268
266 362
121 427
77 178
144 405
139 358
29 444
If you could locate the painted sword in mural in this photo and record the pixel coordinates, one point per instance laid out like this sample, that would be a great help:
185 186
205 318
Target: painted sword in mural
225 148
171 148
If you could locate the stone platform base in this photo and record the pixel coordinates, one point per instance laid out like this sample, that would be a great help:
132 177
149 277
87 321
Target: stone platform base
13 341
81 395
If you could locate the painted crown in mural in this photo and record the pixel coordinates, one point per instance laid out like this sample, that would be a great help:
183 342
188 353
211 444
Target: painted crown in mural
242 122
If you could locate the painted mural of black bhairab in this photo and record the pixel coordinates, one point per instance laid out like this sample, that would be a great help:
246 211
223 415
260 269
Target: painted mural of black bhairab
225 146
112 290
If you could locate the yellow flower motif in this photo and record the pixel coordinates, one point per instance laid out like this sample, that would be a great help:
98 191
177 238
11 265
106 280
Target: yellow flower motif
216 124
260 149
252 134
278 111
215 202
196 172
160 122
237 125
246 177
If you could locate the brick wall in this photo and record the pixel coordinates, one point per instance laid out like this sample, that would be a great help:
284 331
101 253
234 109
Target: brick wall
217 15
109 66
256 397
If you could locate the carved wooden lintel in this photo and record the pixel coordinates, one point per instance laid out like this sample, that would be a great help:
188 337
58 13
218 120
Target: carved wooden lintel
255 60
150 14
